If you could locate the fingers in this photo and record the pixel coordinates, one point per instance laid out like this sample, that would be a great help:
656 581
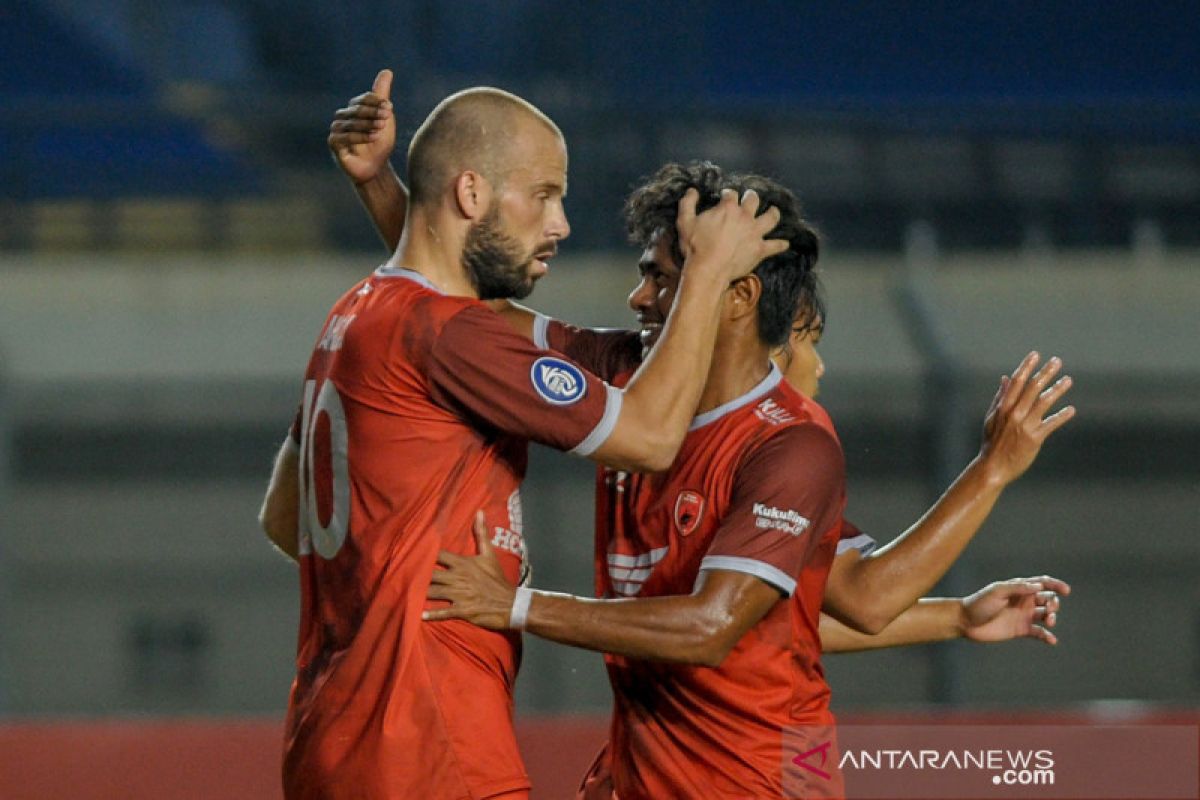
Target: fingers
366 107
344 139
479 527
997 398
1016 382
750 201
1031 390
1056 420
1051 583
687 208
436 615
1052 395
1042 635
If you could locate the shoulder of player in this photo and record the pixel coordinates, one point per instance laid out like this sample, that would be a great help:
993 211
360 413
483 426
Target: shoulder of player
805 439
784 407
804 433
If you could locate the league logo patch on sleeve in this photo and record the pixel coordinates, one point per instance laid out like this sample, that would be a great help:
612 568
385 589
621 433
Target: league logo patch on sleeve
558 382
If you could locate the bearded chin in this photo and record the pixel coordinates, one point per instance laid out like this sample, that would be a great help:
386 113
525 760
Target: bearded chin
494 261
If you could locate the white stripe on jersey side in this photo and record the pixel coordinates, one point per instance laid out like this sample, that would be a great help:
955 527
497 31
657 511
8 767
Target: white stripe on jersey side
627 589
628 573
623 574
640 560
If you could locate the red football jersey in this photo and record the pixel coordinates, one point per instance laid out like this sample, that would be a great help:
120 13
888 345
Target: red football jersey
416 411
758 487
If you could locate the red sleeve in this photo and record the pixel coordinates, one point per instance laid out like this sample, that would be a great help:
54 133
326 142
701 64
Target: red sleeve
851 538
480 368
608 352
786 494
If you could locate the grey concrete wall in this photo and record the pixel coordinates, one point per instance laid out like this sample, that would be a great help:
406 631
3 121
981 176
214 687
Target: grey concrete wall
135 580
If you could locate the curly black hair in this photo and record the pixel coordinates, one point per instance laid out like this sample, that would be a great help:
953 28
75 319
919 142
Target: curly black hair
791 291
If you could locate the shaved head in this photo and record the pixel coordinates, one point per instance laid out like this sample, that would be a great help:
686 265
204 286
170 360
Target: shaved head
471 130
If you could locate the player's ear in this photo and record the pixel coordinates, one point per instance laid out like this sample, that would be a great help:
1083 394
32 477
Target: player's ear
472 193
742 297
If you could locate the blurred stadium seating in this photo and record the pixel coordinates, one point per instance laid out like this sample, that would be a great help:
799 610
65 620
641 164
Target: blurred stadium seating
999 124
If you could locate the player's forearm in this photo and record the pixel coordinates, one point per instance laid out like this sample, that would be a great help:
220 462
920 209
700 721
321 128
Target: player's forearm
928 620
661 400
677 629
386 200
894 577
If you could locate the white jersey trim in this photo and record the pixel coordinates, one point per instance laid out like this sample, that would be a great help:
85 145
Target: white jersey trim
764 386
604 428
863 543
541 328
404 272
759 569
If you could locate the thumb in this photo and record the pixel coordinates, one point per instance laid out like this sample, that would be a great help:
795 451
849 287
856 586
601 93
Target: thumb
383 84
479 526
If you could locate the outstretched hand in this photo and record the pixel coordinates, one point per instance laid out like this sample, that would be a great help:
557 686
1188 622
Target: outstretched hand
730 236
363 135
1016 424
475 586
1014 609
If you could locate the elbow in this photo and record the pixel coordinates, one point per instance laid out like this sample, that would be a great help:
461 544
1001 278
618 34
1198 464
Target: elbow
873 624
711 642
866 620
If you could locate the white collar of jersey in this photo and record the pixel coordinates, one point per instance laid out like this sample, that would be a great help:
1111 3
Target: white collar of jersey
404 272
764 386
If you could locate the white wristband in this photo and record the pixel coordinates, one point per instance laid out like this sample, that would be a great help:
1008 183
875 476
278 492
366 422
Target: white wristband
520 608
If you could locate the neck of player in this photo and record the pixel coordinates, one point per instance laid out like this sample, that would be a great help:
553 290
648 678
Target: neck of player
740 362
432 245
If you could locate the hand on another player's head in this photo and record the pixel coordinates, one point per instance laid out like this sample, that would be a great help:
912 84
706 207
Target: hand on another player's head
363 134
475 586
729 238
1019 419
1014 609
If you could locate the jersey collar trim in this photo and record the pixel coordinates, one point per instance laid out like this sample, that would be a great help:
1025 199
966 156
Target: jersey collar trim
404 272
764 386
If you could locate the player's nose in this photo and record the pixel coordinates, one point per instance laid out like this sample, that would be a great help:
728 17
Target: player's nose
641 297
557 226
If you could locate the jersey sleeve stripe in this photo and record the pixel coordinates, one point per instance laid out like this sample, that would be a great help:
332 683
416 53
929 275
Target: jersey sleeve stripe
759 569
604 428
541 326
863 543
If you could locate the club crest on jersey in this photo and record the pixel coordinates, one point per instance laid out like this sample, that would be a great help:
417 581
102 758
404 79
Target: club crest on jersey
557 381
689 510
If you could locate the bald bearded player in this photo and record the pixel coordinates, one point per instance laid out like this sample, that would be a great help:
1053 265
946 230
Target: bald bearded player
416 408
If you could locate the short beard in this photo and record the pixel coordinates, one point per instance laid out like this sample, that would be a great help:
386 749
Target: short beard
494 261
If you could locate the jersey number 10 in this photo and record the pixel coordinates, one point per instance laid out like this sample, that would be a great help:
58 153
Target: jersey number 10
324 471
